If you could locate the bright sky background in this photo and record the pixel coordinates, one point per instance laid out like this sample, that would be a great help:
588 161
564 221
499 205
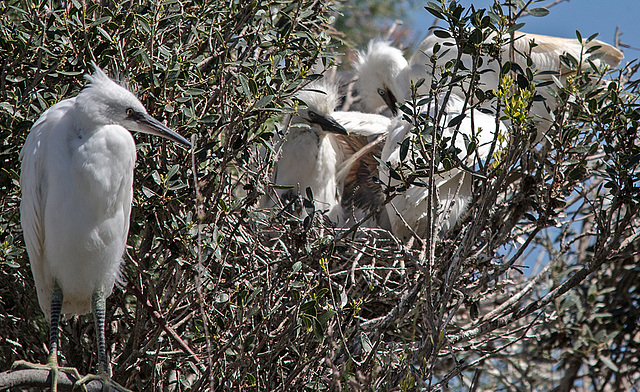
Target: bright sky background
587 16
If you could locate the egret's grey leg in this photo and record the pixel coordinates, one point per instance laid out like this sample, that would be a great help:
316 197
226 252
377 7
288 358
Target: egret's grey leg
52 359
99 309
98 304
56 307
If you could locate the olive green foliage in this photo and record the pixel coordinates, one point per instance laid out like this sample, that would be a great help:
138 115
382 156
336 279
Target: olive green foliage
220 292
569 202
220 71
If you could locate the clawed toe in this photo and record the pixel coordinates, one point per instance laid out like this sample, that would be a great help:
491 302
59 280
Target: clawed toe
52 367
108 385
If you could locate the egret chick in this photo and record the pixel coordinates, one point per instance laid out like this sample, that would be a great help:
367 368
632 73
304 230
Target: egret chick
311 153
331 152
77 187
408 211
383 76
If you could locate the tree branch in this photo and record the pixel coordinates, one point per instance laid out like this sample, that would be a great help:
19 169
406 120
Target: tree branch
40 378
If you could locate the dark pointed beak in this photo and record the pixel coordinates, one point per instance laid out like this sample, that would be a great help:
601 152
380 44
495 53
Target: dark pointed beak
152 126
391 100
329 124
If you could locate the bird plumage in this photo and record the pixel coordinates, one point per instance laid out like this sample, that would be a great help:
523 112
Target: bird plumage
385 75
544 51
362 147
453 186
75 236
330 160
311 152
77 187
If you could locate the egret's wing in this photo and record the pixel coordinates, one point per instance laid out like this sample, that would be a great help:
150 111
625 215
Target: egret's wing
484 129
362 124
546 54
367 133
34 185
360 190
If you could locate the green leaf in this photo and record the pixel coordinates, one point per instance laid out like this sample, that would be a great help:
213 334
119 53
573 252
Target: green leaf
264 101
366 343
194 91
244 82
309 193
404 149
442 33
326 316
538 12
609 363
456 120
515 28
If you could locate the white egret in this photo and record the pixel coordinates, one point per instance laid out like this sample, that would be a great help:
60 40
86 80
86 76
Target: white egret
453 186
329 151
384 75
544 51
76 180
311 153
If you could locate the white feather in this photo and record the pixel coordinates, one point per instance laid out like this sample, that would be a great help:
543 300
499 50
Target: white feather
76 180
453 187
383 68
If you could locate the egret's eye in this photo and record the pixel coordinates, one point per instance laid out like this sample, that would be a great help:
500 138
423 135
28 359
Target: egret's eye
130 111
382 92
312 115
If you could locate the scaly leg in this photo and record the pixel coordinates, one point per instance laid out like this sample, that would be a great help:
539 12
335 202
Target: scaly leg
98 304
52 360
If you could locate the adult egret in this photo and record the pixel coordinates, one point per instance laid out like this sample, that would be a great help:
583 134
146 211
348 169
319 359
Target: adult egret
544 51
329 151
76 180
408 211
384 75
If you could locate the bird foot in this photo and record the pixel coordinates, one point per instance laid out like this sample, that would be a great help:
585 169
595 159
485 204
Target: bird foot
52 367
108 384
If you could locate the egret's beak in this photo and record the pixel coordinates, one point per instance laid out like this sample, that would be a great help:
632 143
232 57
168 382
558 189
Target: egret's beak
329 124
391 100
152 126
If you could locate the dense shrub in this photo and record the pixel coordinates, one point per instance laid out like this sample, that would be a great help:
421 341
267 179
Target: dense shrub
219 292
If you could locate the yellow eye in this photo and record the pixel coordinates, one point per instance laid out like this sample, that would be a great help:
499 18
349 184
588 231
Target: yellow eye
129 111
382 92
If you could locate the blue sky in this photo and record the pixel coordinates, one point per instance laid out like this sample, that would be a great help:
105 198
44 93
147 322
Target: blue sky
587 16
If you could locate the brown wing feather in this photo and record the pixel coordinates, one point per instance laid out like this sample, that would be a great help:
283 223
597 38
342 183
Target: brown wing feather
360 191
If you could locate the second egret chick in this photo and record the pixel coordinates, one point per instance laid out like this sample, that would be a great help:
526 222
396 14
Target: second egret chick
383 76
408 211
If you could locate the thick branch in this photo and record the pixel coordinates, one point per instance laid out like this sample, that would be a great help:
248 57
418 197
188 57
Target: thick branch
40 378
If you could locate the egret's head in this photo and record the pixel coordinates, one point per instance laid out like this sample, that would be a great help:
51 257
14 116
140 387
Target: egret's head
382 76
106 102
321 98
